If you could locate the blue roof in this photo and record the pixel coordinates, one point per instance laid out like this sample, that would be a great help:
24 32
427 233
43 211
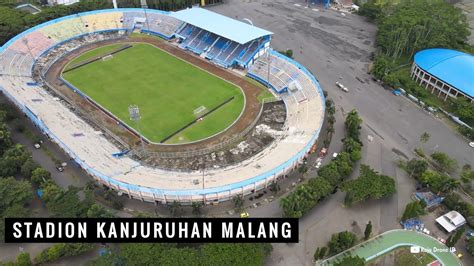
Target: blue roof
453 67
226 27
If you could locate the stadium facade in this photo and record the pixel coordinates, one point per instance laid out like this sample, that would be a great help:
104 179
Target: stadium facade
445 73
25 59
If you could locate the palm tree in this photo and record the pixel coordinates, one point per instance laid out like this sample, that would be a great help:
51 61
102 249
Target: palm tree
331 120
330 130
450 185
424 137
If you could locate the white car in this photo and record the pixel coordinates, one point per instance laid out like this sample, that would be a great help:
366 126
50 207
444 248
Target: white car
334 155
318 165
471 144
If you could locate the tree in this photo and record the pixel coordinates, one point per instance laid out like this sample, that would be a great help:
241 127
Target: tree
39 176
438 183
369 185
414 209
5 138
27 168
351 145
63 203
23 259
238 202
97 211
453 239
12 160
341 241
444 162
368 230
424 137
14 195
330 173
470 246
353 125
416 25
417 167
350 260
175 208
197 207
305 197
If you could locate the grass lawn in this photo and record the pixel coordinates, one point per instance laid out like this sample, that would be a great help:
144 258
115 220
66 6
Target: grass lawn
96 52
264 93
166 89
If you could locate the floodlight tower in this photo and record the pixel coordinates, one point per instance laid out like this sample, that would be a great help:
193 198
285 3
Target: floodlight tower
134 113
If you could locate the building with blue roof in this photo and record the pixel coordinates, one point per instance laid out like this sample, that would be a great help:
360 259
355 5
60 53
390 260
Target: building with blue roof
445 73
223 40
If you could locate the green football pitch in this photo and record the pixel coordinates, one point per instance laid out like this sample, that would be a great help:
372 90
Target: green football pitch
167 90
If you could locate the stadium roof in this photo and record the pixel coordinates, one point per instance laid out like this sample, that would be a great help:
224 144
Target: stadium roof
453 67
226 27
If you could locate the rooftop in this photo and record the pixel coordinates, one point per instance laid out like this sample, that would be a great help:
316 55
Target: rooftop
226 27
453 67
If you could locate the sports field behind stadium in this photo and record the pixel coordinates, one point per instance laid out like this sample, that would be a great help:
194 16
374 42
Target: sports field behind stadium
167 90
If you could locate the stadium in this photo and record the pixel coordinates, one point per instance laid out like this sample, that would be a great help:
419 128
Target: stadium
166 106
445 73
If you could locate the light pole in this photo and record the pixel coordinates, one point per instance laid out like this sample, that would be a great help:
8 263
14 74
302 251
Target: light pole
268 70
134 113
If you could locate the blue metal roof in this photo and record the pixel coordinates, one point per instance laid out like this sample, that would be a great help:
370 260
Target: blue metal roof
226 27
453 67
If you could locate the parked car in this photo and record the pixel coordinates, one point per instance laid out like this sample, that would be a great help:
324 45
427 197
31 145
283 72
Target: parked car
244 215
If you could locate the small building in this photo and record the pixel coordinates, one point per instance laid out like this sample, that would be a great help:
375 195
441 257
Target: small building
445 73
62 2
451 221
29 8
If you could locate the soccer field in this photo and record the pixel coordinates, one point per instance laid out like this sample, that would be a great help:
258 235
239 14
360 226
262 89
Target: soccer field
166 89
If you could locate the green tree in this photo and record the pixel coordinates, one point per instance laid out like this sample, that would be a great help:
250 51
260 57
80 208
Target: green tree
368 230
27 168
305 197
238 203
39 176
5 138
197 206
97 211
23 259
14 196
353 125
369 185
350 260
63 203
341 241
424 137
470 246
453 239
175 208
416 167
415 25
414 209
444 162
12 160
